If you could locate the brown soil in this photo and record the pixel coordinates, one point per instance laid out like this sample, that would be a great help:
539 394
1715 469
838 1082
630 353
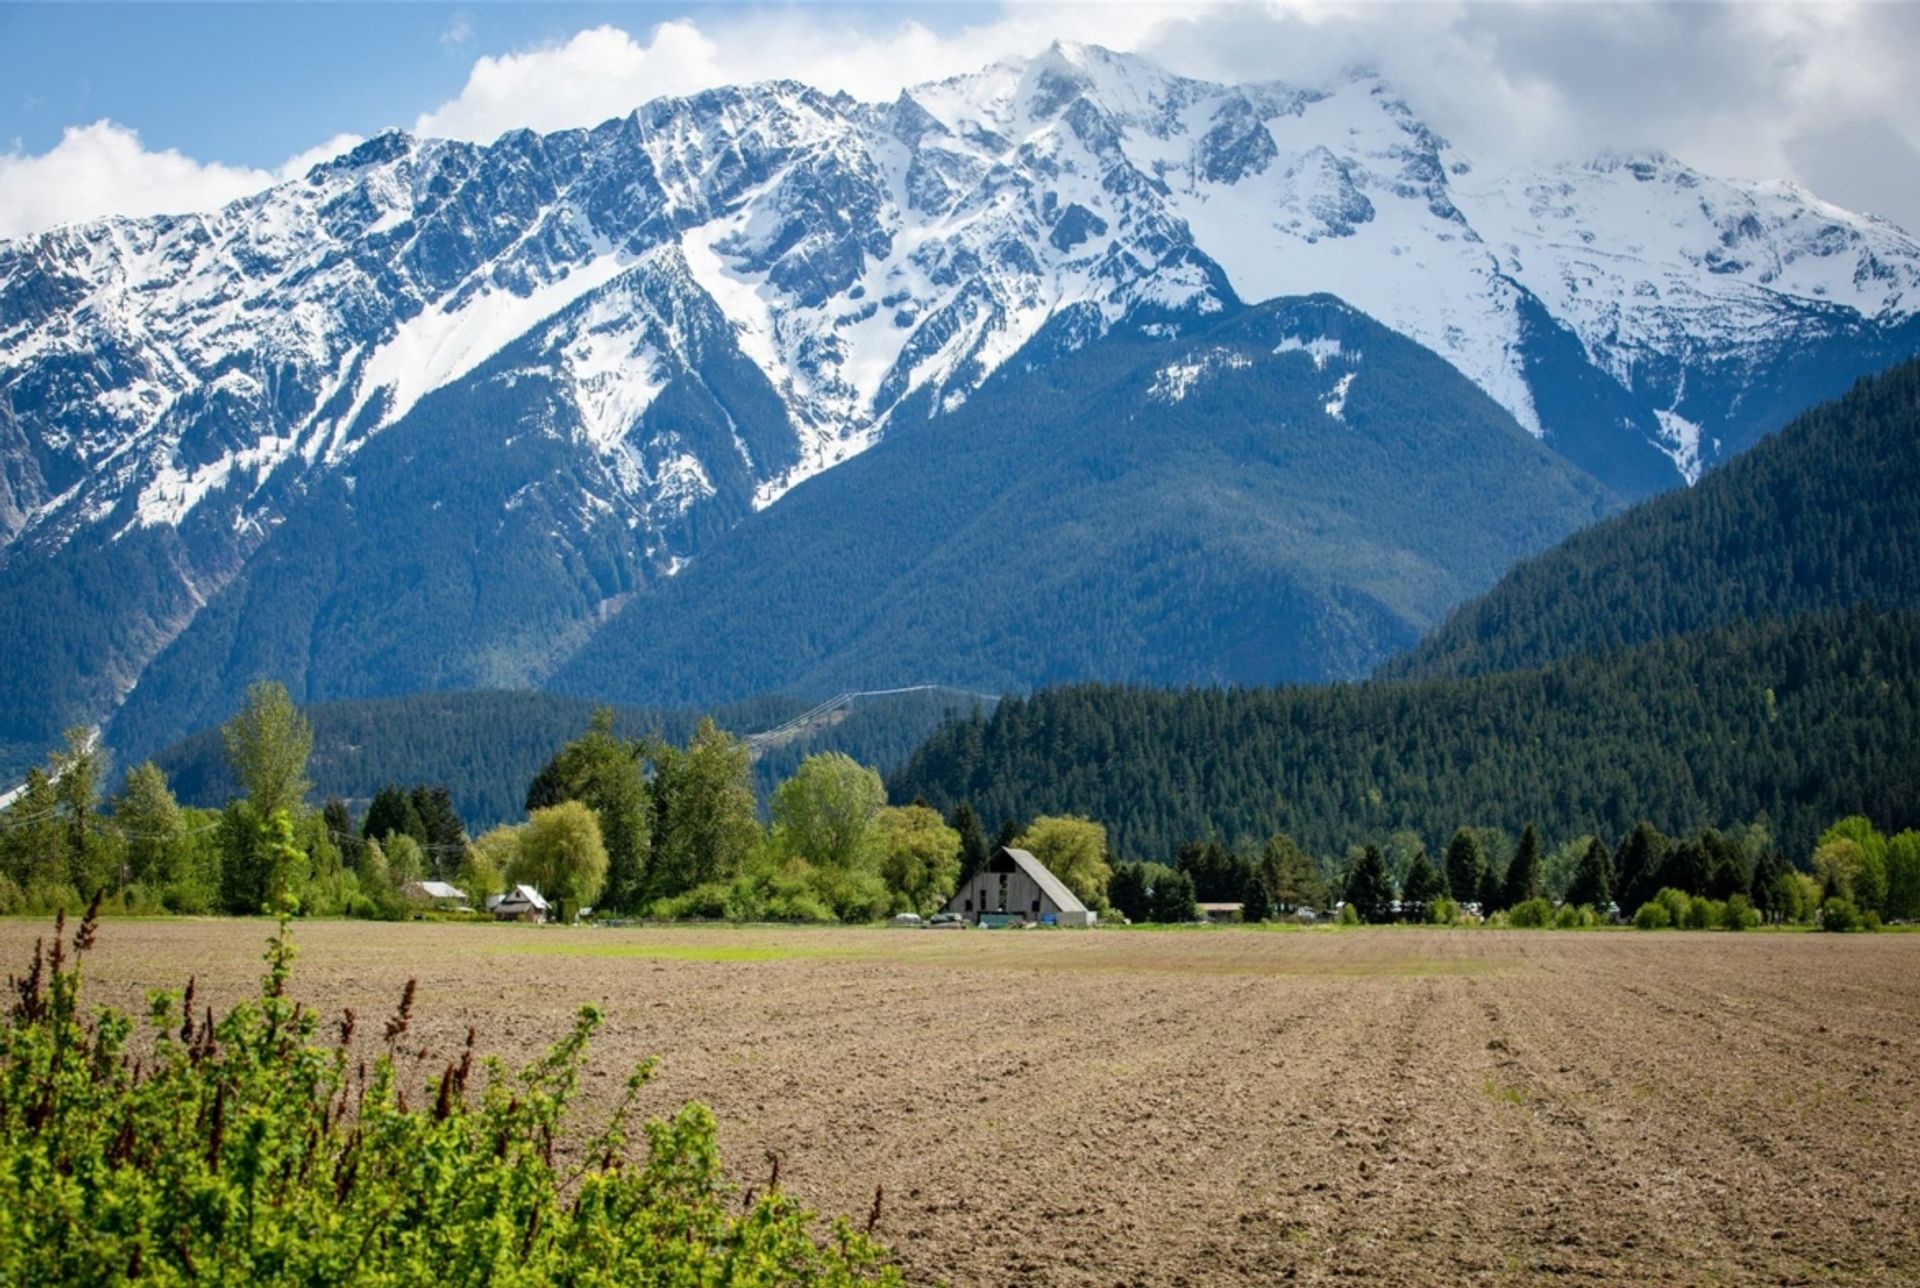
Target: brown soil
1221 1106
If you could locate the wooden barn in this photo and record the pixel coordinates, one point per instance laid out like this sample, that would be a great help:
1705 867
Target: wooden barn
1015 886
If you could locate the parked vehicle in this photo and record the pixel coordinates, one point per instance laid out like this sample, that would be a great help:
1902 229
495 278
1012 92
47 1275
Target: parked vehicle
909 920
947 921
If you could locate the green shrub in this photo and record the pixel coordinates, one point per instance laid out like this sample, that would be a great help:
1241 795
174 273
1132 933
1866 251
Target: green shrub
1349 915
244 1150
1740 913
1705 914
1576 918
1839 915
1870 920
1531 914
1653 915
1443 912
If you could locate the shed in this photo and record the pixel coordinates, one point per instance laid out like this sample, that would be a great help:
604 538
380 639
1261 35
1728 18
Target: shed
1221 912
437 893
522 903
1015 885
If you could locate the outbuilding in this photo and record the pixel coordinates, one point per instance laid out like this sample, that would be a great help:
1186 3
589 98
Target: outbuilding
436 893
1014 886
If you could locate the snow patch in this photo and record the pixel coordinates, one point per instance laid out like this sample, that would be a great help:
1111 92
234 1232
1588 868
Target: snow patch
1336 403
1174 382
1680 440
1322 349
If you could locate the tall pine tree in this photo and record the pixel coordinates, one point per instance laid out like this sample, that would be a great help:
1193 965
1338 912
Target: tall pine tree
1523 874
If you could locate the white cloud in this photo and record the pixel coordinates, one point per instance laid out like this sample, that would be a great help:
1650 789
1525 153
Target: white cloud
104 169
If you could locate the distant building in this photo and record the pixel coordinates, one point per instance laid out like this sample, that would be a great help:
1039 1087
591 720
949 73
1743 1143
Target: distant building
522 903
1221 912
437 893
1015 886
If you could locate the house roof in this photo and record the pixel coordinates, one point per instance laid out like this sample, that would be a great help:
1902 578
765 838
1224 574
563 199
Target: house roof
523 896
1052 886
437 890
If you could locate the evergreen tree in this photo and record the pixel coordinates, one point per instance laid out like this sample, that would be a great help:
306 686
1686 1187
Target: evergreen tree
1523 874
1369 889
1464 866
1009 832
76 785
445 836
1290 875
1637 866
973 841
393 813
1173 900
1591 886
246 868
1256 903
1423 885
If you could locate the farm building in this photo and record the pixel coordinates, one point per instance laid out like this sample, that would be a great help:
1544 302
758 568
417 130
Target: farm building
1219 913
522 903
1015 886
436 893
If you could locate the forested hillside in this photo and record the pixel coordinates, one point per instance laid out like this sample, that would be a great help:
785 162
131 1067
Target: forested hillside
485 747
1824 514
1802 723
1289 492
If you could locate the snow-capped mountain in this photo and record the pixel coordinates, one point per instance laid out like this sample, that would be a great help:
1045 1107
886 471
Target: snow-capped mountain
710 300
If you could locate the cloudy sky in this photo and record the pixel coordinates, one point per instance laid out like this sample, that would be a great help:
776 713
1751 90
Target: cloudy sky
147 108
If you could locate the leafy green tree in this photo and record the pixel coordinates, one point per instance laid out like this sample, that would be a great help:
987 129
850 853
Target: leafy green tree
149 817
406 861
974 851
561 854
1369 890
246 875
1903 876
267 744
483 871
919 857
77 770
706 825
1591 886
1073 849
1173 900
35 839
1869 892
1464 866
605 773
825 814
1422 888
1523 874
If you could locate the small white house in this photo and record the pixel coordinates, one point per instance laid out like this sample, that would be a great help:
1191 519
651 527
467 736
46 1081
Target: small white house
522 903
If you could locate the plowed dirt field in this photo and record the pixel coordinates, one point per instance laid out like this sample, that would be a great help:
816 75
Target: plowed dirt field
1220 1106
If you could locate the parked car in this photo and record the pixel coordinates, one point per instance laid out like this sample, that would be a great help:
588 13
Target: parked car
911 920
947 921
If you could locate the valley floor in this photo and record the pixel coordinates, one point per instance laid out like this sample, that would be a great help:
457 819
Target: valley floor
1203 1107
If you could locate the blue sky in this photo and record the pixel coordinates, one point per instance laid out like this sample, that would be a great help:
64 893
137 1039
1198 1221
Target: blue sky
252 84
150 108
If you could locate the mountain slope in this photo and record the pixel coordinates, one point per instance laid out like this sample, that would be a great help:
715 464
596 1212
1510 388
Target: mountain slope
1802 723
1824 514
1291 492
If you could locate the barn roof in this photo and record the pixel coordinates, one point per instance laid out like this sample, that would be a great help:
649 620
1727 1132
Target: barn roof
1054 888
524 896
437 890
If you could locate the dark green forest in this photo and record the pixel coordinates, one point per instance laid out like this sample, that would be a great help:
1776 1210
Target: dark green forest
484 747
1798 724
1825 514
